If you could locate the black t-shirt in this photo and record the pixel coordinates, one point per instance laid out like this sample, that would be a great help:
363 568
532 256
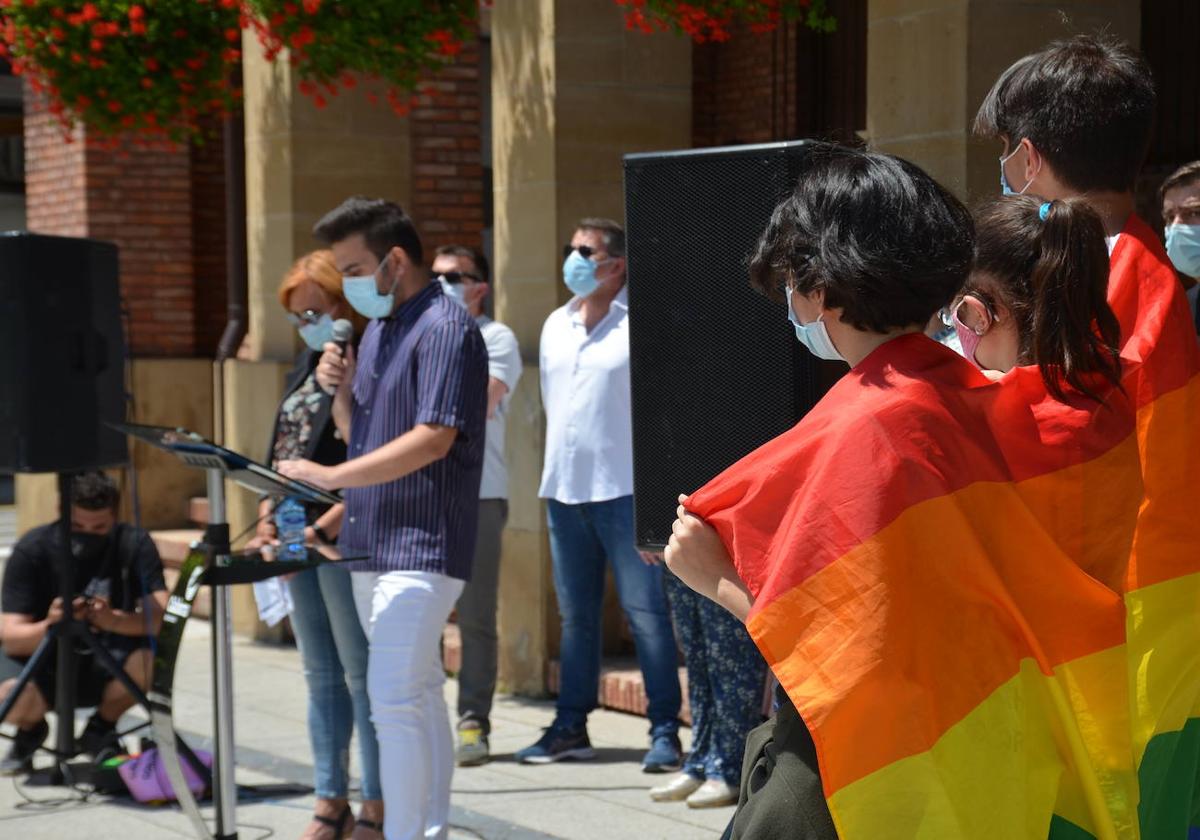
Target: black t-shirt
130 565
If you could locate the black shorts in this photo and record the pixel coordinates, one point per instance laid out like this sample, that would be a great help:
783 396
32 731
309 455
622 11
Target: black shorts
90 676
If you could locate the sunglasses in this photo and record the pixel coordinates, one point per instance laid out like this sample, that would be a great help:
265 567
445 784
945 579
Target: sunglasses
585 251
455 277
306 318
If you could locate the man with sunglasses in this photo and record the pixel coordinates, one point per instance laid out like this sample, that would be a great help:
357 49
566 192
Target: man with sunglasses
587 482
463 274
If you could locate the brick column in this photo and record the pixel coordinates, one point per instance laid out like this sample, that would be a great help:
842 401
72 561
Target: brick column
447 170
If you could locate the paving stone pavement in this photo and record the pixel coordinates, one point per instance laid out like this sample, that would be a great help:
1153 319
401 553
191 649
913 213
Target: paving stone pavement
606 798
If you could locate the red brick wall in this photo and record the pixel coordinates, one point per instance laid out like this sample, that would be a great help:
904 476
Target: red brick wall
142 201
786 85
743 90
447 170
54 175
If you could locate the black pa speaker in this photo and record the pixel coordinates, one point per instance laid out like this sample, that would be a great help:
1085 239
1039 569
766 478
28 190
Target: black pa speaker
61 354
715 366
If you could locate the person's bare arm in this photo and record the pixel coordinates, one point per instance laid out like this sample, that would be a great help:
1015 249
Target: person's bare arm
125 622
497 390
696 555
335 373
22 634
419 447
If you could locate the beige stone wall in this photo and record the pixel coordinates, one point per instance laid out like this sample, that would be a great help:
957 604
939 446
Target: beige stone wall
930 63
301 162
572 91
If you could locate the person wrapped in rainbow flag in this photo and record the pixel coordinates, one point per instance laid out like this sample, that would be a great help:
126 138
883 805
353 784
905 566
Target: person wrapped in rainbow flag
980 596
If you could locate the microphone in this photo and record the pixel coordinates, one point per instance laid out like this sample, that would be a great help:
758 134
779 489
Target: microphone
343 331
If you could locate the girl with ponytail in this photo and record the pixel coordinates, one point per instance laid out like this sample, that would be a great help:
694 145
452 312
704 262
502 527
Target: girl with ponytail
1037 295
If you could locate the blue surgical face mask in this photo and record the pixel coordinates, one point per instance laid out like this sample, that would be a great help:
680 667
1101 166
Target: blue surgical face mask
814 336
457 292
363 294
1005 189
317 335
1183 247
579 273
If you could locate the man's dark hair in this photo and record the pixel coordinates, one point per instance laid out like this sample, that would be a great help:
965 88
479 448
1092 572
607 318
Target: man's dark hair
466 252
1086 104
383 224
1184 176
885 242
612 233
94 491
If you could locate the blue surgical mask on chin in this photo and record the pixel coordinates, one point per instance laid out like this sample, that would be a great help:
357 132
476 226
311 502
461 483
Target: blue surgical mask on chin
457 292
814 336
1183 247
317 335
363 294
1005 188
579 274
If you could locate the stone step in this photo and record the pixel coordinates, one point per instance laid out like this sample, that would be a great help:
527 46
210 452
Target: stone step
173 545
198 510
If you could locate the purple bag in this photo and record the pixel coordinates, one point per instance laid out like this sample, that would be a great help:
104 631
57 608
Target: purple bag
147 779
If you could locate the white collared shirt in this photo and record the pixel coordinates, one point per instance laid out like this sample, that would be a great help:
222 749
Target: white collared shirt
585 392
504 363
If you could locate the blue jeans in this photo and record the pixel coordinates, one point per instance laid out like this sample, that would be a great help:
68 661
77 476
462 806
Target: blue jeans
333 650
582 538
726 678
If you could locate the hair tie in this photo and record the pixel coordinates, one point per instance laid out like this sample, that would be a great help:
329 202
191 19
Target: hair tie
1044 211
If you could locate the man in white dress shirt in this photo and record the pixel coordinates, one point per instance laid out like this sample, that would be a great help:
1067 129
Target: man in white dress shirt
463 273
587 482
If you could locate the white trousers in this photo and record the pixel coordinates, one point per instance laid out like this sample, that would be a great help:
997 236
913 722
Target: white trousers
403 614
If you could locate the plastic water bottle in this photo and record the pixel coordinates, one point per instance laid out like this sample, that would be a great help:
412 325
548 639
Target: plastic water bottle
290 522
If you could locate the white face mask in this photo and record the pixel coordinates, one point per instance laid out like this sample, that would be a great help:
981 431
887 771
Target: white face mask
457 292
814 336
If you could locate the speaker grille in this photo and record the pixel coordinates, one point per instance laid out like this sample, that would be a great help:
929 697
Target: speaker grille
715 367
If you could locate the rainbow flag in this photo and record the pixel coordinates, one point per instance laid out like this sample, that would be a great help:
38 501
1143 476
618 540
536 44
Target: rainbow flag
981 600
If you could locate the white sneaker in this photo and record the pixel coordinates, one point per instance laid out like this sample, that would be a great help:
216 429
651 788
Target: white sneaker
713 794
679 787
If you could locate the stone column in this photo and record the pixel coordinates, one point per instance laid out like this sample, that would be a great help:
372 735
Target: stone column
572 91
301 161
931 62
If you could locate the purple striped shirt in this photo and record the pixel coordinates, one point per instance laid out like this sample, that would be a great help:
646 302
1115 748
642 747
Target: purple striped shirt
427 363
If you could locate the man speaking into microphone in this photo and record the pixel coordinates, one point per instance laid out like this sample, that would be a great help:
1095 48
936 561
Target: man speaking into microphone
413 407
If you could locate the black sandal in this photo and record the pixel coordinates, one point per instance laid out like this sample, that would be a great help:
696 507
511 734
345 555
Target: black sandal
371 824
338 825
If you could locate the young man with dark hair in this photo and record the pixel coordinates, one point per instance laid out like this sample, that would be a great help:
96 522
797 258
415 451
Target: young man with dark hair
1179 198
1075 120
463 273
119 576
412 407
587 482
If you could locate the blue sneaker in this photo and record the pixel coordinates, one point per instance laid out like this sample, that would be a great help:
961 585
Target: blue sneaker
558 743
665 755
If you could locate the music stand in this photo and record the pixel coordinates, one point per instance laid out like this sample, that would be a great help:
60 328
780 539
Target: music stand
213 562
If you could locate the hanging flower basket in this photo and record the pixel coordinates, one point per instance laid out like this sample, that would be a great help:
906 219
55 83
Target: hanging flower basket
391 45
712 20
152 69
